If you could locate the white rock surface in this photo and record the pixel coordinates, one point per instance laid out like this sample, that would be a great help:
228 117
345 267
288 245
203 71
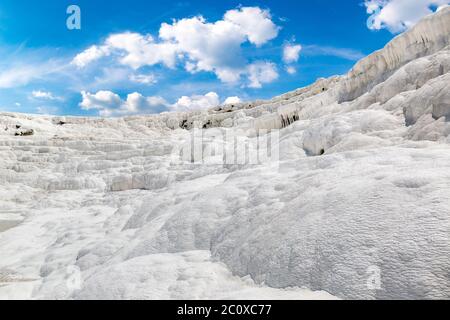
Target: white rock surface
116 209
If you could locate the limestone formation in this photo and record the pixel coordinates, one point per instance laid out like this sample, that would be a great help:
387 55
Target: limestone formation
357 186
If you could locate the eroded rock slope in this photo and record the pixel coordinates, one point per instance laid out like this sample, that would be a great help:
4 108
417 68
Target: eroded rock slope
360 187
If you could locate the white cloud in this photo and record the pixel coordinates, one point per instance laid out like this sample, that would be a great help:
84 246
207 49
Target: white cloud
291 52
216 47
148 79
196 102
90 55
256 24
141 50
132 49
344 53
198 44
38 94
21 75
291 70
398 15
212 47
232 100
110 104
261 72
100 100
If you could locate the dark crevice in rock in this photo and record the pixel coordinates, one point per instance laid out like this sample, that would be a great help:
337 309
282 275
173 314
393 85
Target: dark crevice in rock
286 121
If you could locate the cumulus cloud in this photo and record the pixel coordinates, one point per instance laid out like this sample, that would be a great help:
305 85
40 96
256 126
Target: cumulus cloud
232 100
132 49
110 104
254 23
261 72
291 52
90 55
140 50
197 44
100 100
196 102
21 66
399 15
216 47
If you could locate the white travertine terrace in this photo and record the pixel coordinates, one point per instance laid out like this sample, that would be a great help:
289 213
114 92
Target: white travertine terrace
362 185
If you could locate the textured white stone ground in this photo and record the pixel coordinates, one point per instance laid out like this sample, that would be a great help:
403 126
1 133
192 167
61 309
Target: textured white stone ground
108 210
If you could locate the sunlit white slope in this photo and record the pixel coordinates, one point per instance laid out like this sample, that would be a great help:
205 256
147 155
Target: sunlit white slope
358 204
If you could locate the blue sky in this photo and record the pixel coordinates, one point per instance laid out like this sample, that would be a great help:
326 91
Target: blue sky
124 61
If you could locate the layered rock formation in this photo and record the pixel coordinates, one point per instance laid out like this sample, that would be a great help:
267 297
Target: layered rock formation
356 203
